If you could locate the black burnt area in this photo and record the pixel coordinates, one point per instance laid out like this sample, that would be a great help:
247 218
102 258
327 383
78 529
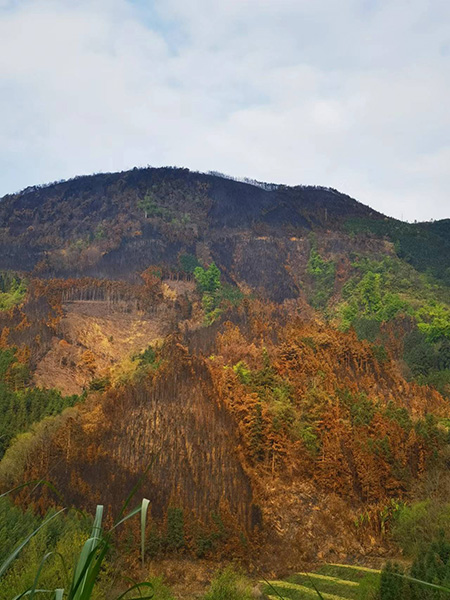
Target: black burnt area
135 255
235 204
223 251
18 258
43 220
261 264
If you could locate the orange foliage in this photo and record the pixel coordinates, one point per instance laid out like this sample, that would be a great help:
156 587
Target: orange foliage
278 401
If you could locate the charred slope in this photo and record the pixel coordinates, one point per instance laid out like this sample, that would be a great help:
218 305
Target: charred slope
116 225
123 222
171 422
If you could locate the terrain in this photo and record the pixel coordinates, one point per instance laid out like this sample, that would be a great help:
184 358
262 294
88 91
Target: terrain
277 357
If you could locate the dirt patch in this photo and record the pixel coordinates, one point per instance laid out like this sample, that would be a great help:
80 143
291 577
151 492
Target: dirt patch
92 337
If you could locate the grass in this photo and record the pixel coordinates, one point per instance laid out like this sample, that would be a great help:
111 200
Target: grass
79 580
296 591
329 582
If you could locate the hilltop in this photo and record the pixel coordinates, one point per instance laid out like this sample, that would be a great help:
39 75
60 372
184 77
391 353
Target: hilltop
115 225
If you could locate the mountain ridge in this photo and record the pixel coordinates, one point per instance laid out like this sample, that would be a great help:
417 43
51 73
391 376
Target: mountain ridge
103 224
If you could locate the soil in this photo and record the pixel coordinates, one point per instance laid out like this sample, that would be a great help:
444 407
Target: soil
92 337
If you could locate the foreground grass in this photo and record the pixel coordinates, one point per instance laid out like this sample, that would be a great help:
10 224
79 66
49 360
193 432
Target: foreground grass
78 578
330 581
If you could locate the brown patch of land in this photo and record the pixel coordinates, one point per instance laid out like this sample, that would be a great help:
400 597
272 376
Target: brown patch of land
94 336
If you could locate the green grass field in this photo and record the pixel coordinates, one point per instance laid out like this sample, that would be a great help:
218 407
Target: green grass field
333 581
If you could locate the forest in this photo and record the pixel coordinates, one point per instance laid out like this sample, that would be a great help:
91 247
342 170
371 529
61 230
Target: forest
216 389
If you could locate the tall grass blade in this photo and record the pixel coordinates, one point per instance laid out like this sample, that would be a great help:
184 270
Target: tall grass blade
315 588
33 589
38 574
273 589
135 511
434 586
59 594
87 555
135 587
8 561
28 592
92 572
36 483
144 510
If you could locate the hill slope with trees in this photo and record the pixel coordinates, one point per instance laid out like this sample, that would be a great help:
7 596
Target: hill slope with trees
280 355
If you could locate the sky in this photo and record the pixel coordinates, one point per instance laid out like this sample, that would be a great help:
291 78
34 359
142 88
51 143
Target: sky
351 94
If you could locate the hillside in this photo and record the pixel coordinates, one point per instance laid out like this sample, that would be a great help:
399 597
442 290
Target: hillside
118 224
279 355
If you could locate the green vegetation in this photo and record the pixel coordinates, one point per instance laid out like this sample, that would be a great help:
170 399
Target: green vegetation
188 263
178 207
21 406
133 368
417 525
331 582
170 538
206 539
361 411
229 585
148 358
215 296
433 566
422 531
434 321
175 528
152 207
99 384
425 246
381 291
322 273
428 578
209 285
12 290
63 537
276 394
160 591
429 362
59 557
372 297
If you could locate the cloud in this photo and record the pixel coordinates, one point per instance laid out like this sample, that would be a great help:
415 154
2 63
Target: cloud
346 93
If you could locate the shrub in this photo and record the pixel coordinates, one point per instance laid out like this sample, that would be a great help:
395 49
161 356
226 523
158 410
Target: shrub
418 524
175 529
229 585
392 587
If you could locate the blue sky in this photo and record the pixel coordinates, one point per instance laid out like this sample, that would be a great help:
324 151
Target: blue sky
347 93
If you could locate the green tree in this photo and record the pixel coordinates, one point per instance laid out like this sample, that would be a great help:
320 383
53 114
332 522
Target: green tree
370 290
208 280
175 529
208 283
323 275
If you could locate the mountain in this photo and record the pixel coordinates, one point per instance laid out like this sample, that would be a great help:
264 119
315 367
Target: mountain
115 225
279 356
118 224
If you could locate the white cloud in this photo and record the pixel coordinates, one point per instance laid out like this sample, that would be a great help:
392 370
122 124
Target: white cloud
347 93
